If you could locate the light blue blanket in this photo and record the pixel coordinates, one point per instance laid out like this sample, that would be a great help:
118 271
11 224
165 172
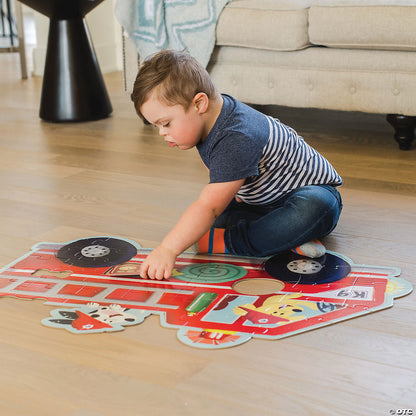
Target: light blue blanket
154 25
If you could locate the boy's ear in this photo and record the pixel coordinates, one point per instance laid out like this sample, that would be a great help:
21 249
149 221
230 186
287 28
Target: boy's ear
200 102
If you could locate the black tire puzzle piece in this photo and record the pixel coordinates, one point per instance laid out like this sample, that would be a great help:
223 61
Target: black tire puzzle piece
96 252
294 268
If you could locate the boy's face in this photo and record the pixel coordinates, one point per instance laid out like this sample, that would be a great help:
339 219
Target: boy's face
179 127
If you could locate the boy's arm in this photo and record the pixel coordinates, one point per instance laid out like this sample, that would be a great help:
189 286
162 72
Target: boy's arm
193 224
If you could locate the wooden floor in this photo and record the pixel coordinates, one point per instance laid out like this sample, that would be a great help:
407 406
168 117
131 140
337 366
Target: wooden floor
116 177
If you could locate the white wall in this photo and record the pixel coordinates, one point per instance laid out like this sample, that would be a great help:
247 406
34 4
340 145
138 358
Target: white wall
105 33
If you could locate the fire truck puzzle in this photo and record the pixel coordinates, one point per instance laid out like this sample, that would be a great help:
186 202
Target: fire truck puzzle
214 301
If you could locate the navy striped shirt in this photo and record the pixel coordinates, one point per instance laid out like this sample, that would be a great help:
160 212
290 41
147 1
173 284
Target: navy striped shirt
271 156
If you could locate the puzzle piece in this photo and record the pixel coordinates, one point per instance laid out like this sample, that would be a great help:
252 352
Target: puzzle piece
52 273
213 301
94 318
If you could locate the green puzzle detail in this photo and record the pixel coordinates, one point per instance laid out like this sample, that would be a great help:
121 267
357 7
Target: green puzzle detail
211 273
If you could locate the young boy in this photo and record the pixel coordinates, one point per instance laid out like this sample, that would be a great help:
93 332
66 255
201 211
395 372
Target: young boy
268 192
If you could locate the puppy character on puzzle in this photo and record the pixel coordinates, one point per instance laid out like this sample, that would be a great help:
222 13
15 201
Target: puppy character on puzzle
283 309
94 318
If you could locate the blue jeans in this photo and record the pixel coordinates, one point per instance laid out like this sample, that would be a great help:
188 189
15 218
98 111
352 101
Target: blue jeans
262 230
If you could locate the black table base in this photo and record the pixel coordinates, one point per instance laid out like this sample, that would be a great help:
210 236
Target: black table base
73 87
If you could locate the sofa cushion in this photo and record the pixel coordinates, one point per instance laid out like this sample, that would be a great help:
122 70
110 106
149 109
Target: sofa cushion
364 24
278 25
337 79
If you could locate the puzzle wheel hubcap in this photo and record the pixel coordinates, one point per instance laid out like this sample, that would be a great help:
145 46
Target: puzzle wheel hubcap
95 251
304 266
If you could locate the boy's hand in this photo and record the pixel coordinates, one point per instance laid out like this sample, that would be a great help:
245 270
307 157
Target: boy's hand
158 264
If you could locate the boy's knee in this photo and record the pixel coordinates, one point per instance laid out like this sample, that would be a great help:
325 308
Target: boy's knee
315 204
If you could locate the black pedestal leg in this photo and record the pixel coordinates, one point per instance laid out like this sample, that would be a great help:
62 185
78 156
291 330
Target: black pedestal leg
73 87
404 129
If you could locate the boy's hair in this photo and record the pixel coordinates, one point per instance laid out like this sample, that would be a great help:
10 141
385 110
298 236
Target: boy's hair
176 77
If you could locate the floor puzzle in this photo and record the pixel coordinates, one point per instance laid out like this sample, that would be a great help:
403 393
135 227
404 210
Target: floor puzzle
213 301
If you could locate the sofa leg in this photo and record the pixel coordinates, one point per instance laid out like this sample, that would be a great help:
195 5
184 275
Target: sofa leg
404 129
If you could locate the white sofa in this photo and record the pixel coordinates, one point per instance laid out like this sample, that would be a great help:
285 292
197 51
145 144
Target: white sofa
350 55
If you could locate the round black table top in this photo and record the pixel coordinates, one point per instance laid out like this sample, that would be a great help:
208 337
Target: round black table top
62 9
